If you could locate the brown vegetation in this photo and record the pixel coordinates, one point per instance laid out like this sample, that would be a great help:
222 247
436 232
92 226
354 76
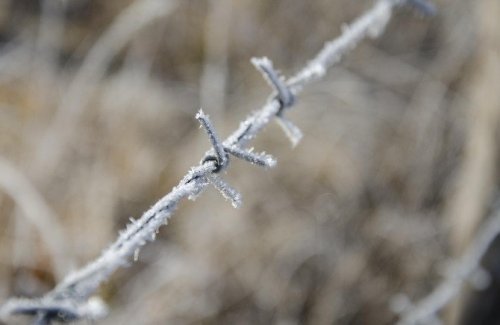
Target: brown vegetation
397 167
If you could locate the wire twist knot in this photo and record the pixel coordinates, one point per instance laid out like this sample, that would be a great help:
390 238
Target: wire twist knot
284 95
217 159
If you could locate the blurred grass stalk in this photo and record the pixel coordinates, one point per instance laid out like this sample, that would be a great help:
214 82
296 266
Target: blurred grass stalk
38 213
131 20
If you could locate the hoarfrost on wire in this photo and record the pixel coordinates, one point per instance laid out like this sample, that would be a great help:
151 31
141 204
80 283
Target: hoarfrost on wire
69 300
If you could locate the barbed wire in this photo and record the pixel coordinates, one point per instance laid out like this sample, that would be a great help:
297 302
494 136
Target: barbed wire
69 300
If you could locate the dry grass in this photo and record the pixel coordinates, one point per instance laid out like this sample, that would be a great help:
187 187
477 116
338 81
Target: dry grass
365 207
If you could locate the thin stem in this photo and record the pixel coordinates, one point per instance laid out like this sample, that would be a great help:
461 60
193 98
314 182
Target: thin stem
461 271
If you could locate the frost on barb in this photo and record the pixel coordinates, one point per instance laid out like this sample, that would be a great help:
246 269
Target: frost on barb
291 130
284 95
265 66
227 191
260 159
220 153
67 297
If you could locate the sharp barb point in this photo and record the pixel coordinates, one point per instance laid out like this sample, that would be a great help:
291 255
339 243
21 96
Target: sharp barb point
226 190
259 159
291 130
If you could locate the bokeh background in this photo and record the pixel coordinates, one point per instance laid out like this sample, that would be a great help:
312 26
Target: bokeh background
396 170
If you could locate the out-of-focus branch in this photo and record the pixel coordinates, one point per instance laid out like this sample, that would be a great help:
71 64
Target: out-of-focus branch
134 18
475 184
216 40
37 212
427 309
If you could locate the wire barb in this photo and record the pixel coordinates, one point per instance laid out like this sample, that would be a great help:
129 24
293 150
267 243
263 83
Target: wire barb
291 130
259 159
220 158
226 190
283 93
71 295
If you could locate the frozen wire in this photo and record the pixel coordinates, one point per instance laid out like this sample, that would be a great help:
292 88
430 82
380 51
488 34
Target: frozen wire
220 154
226 190
78 286
292 131
265 66
260 159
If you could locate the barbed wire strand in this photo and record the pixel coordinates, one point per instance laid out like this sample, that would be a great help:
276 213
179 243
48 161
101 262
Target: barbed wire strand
69 301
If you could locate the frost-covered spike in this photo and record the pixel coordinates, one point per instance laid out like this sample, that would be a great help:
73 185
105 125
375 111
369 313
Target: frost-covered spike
226 190
425 7
291 130
220 154
260 159
265 66
79 285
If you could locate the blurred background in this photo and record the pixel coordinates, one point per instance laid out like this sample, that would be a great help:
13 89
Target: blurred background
396 170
